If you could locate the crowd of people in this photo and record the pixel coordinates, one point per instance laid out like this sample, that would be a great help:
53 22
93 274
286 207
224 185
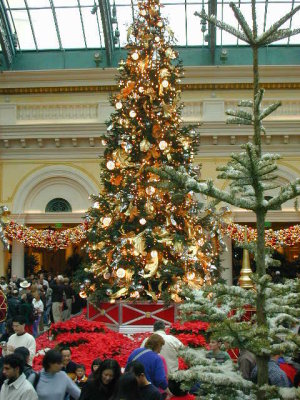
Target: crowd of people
42 299
146 375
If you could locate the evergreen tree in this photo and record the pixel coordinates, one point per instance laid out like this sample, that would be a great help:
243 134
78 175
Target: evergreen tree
251 173
142 241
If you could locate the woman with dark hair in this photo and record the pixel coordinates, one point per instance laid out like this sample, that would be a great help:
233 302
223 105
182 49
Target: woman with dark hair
26 308
52 383
127 388
95 365
102 384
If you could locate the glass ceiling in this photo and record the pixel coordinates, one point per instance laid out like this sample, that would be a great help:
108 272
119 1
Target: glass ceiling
70 24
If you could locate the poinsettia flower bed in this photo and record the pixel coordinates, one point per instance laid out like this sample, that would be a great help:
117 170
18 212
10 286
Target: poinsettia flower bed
90 339
193 327
192 340
77 326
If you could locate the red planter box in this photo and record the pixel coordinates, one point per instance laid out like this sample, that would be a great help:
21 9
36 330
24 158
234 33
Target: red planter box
128 317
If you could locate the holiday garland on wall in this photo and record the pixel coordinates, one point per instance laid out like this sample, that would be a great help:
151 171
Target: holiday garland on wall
46 238
53 239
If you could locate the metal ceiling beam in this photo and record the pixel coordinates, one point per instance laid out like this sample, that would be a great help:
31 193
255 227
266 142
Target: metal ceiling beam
212 31
104 6
6 37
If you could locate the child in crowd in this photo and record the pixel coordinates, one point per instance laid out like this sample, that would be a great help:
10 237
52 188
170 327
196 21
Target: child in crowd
81 378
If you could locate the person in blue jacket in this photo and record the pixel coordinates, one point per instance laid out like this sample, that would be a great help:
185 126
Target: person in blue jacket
155 371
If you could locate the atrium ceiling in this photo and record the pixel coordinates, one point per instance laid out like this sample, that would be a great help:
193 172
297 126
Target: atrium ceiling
34 32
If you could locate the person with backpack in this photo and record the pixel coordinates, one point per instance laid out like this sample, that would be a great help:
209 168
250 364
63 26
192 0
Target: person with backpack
23 352
52 383
154 366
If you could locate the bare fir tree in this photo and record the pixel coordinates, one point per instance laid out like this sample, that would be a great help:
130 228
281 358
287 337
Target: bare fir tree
251 173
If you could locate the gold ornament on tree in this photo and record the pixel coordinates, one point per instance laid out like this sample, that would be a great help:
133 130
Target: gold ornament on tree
152 266
145 145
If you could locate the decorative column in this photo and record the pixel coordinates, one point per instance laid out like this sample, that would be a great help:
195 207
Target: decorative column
226 261
17 260
2 260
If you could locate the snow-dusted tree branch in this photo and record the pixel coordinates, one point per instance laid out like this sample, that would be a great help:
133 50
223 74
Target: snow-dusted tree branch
251 174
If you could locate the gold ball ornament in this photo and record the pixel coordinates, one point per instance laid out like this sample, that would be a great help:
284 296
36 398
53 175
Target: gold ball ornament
120 273
159 24
82 294
135 294
106 221
118 105
163 145
165 83
145 145
106 275
143 221
110 165
190 276
170 53
135 56
141 89
132 114
150 190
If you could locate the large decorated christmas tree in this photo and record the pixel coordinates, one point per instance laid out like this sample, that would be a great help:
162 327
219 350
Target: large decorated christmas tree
144 242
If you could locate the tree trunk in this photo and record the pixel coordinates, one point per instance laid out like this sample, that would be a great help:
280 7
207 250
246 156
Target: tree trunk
261 361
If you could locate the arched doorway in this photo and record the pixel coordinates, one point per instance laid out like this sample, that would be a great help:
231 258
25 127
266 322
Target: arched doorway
54 197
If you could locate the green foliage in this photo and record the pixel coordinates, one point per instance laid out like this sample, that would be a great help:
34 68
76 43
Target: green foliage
30 263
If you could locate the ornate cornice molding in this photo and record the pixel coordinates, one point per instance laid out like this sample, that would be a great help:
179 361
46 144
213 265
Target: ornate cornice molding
114 88
96 80
58 89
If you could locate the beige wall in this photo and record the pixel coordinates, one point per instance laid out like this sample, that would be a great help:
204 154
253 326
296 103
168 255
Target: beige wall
44 131
15 172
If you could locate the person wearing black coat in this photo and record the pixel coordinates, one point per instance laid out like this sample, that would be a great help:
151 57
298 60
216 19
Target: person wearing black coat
103 383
